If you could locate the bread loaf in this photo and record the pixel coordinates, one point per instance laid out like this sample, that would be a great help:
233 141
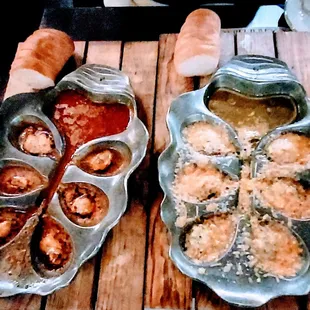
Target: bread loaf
197 49
39 60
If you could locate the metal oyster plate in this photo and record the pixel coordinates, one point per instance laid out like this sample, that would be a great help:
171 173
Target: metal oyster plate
18 273
253 76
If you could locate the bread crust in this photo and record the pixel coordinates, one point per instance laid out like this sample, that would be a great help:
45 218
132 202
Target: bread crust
45 51
34 64
199 36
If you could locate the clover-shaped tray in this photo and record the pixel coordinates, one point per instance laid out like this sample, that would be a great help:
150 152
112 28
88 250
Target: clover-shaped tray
19 271
251 76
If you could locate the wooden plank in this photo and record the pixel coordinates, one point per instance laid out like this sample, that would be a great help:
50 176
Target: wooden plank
83 282
258 43
283 303
166 287
79 48
293 48
107 53
122 265
23 302
169 86
78 294
227 52
208 300
298 59
121 280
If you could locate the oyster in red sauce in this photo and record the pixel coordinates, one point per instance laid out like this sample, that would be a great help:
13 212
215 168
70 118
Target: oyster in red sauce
84 204
11 222
55 246
18 179
36 141
105 161
82 120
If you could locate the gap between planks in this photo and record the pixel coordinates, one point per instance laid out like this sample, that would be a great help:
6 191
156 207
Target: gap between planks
166 287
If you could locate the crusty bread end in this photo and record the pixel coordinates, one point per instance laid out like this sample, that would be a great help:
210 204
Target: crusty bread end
31 78
39 60
197 49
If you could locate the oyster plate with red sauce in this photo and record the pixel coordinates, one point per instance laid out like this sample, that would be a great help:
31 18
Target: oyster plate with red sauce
66 154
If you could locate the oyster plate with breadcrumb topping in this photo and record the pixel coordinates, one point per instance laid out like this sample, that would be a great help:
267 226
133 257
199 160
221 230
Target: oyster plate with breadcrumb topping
245 248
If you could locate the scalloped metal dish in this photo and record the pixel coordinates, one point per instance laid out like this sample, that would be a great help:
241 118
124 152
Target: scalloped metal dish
101 84
254 76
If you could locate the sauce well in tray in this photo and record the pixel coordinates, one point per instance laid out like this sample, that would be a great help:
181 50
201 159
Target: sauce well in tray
252 117
81 120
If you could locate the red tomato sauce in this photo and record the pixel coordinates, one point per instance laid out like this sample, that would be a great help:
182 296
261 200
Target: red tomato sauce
81 120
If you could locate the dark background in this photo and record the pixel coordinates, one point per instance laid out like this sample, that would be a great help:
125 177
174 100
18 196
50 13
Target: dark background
89 20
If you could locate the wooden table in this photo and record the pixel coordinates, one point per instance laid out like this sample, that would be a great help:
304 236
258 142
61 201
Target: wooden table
133 270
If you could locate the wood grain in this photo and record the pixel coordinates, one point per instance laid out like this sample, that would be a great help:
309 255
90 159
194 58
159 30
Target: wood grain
166 287
283 303
258 43
293 48
122 265
22 302
140 64
79 52
206 299
298 60
104 52
121 280
77 295
169 86
227 52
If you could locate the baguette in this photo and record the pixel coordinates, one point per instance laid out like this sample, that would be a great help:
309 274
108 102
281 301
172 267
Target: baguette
28 54
14 87
34 66
39 60
197 49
